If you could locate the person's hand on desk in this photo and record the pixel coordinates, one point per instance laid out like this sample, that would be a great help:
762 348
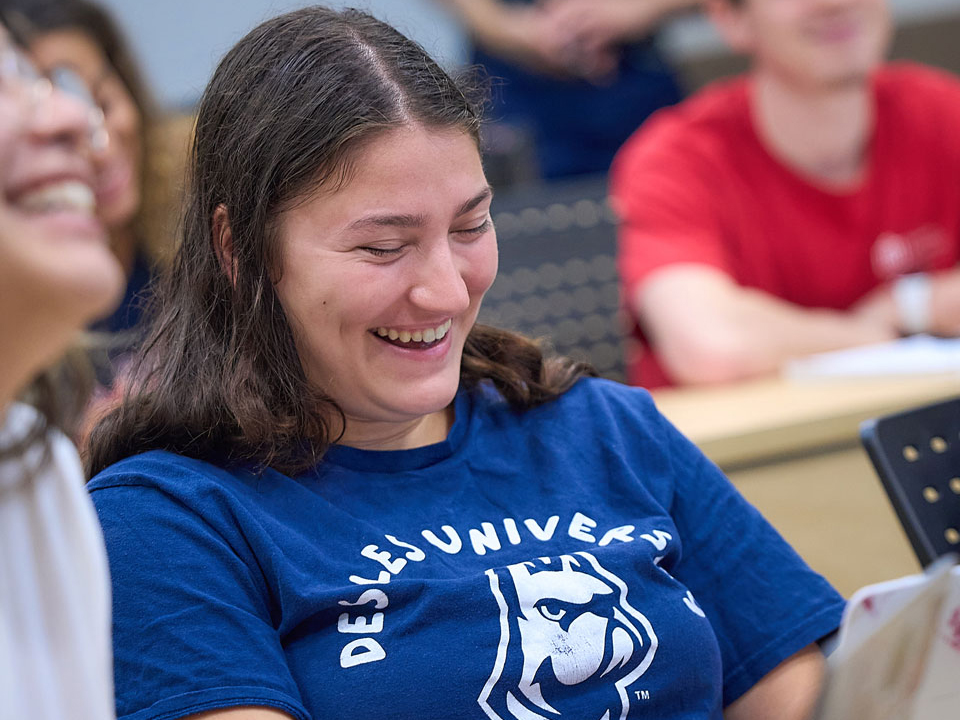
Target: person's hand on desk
923 302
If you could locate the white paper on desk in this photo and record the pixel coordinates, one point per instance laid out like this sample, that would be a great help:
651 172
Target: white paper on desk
916 355
898 656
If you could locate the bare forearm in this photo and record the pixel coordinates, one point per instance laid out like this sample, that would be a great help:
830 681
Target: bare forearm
484 19
768 332
707 330
639 17
788 692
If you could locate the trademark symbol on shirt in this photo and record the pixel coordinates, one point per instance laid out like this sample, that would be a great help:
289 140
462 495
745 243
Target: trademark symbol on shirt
642 694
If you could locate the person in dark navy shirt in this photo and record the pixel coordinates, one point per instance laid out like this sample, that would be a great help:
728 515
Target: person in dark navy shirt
574 77
329 493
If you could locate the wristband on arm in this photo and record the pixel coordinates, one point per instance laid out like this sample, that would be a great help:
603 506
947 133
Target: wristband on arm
912 296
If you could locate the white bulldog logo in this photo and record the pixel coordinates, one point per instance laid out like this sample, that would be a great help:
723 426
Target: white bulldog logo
568 638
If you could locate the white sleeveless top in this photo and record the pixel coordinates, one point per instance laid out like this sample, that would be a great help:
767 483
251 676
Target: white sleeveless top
55 648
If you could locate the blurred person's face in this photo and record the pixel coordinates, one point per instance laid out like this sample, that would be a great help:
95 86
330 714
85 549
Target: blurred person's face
118 165
55 265
815 44
382 279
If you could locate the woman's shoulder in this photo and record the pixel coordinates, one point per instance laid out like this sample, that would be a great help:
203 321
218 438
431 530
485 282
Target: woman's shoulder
171 474
608 397
590 402
158 490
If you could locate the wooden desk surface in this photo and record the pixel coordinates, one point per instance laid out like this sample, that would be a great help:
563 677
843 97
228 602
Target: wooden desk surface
792 449
760 421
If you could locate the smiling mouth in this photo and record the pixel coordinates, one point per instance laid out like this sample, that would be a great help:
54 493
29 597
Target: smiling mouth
414 339
64 196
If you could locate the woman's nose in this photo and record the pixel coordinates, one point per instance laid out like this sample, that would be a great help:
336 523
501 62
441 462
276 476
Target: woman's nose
439 285
63 118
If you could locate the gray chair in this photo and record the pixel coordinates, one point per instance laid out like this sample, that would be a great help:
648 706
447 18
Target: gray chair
558 277
917 455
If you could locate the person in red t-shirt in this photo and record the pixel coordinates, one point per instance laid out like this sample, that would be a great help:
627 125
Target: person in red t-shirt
812 205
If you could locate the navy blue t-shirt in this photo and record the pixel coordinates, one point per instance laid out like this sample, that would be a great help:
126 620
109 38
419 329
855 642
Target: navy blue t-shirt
578 560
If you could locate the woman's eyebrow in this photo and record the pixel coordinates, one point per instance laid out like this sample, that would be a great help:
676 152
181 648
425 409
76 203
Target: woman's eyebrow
475 200
413 221
403 221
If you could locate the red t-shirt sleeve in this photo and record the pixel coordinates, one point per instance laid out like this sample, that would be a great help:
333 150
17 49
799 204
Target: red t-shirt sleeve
666 194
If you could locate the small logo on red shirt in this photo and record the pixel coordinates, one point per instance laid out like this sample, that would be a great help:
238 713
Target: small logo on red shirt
919 250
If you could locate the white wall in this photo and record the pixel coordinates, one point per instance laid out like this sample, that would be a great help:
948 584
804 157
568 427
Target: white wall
180 41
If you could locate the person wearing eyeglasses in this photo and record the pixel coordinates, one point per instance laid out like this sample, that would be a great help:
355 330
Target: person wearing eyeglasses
57 274
134 172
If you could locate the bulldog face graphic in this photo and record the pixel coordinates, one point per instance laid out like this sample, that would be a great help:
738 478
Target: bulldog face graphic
570 643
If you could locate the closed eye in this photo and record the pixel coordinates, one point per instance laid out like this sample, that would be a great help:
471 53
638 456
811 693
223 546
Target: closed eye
380 252
478 230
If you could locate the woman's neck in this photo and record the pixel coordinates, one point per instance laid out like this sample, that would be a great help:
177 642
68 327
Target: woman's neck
822 134
425 430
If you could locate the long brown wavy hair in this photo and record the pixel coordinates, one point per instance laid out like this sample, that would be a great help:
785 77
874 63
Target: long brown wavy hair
219 377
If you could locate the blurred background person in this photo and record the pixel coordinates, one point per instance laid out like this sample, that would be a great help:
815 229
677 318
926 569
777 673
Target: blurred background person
571 77
56 275
133 197
811 205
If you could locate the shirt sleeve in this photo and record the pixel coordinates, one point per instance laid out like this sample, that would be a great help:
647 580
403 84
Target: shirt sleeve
192 621
763 601
665 192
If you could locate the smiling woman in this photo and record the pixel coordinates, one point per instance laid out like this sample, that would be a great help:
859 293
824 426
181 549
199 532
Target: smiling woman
133 196
56 274
358 502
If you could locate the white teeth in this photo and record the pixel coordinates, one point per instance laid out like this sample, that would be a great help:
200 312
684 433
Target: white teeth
67 195
429 335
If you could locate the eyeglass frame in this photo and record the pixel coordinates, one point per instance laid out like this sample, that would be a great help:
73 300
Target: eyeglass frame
17 69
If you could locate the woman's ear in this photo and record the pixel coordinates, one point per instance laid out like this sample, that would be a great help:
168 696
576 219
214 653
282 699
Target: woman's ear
223 242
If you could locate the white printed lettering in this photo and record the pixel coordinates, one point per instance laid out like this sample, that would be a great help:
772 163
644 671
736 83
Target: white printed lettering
513 535
621 533
384 558
486 539
361 625
580 528
415 554
692 605
382 579
360 651
452 547
378 597
659 538
542 533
